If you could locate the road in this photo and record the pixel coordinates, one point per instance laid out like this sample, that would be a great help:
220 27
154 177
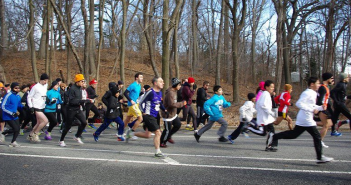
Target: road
208 162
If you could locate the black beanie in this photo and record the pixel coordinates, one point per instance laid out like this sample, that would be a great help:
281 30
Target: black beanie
13 85
111 84
114 90
250 96
53 83
326 76
146 87
175 82
58 79
44 76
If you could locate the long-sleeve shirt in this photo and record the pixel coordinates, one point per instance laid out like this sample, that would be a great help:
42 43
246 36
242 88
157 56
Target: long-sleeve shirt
283 100
338 94
214 107
51 94
171 105
247 111
201 97
37 96
265 115
307 105
10 105
187 93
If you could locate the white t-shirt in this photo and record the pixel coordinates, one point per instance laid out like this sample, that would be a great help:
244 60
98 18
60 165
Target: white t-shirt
307 104
37 96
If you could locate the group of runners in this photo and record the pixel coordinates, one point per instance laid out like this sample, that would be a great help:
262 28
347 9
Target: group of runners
68 105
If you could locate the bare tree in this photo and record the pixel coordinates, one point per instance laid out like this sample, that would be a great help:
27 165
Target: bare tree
101 35
219 44
125 4
4 31
31 39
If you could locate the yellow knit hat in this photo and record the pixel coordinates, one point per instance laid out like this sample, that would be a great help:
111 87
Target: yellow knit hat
78 77
1 84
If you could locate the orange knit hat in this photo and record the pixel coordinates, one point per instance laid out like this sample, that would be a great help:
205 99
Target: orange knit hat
1 84
78 77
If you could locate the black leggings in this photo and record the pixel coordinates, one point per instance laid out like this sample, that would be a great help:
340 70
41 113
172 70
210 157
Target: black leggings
189 110
265 129
168 132
92 107
14 124
237 131
296 132
71 114
52 120
337 110
29 117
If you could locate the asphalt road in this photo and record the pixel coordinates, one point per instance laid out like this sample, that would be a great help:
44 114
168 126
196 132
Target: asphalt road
208 162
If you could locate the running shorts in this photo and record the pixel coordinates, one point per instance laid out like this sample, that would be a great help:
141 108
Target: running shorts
150 123
134 111
282 114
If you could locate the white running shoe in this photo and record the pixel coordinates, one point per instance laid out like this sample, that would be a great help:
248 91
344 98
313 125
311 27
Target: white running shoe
325 159
134 138
78 140
324 145
14 144
2 138
62 144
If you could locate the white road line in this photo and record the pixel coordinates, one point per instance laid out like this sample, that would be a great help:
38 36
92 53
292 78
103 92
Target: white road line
170 161
177 164
183 155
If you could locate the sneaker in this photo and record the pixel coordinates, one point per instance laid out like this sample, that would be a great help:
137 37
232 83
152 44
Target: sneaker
324 159
246 135
35 138
96 137
202 125
14 144
113 124
336 133
270 138
2 138
22 132
83 131
92 126
324 145
271 149
121 138
189 128
47 136
62 144
197 137
128 136
60 131
222 139
29 138
160 155
78 140
230 139
170 140
163 145
195 131
134 138
70 131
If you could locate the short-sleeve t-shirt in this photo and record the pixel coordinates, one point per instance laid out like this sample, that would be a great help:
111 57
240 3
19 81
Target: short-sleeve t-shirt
134 91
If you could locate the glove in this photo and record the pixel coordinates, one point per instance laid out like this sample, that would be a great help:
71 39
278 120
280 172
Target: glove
194 87
291 104
32 110
53 101
15 114
244 119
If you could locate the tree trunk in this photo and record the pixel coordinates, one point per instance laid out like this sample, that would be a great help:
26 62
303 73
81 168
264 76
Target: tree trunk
47 54
92 65
101 35
123 39
31 39
165 44
42 45
86 39
219 48
4 31
194 35
226 43
69 6
280 47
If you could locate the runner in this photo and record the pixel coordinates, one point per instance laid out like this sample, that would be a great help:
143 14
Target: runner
338 94
74 110
214 107
112 114
10 106
304 121
36 103
170 117
2 94
132 94
283 99
152 100
53 99
201 97
90 106
246 115
188 92
265 115
323 99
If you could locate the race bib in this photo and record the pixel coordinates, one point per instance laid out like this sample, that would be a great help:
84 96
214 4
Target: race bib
157 107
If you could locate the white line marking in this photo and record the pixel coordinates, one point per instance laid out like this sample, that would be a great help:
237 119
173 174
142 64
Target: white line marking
170 161
186 165
183 155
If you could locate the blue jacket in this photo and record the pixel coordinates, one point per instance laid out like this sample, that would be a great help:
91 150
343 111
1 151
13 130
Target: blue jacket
214 106
50 95
10 104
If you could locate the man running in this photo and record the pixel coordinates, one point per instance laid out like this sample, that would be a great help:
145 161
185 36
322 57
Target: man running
90 106
201 97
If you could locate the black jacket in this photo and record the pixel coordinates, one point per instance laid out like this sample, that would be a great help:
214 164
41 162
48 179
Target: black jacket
338 94
201 97
91 93
75 97
112 104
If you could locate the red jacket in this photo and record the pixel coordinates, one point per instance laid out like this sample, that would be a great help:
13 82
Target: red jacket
283 99
187 93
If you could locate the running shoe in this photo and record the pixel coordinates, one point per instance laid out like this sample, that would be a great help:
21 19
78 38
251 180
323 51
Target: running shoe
222 139
162 145
189 128
47 136
60 131
113 124
62 144
170 140
246 135
35 138
160 155
70 131
2 138
120 138
83 131
96 137
202 125
22 132
197 137
336 133
92 126
78 140
14 144
30 138
324 145
230 139
128 136
134 138
324 159
271 149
